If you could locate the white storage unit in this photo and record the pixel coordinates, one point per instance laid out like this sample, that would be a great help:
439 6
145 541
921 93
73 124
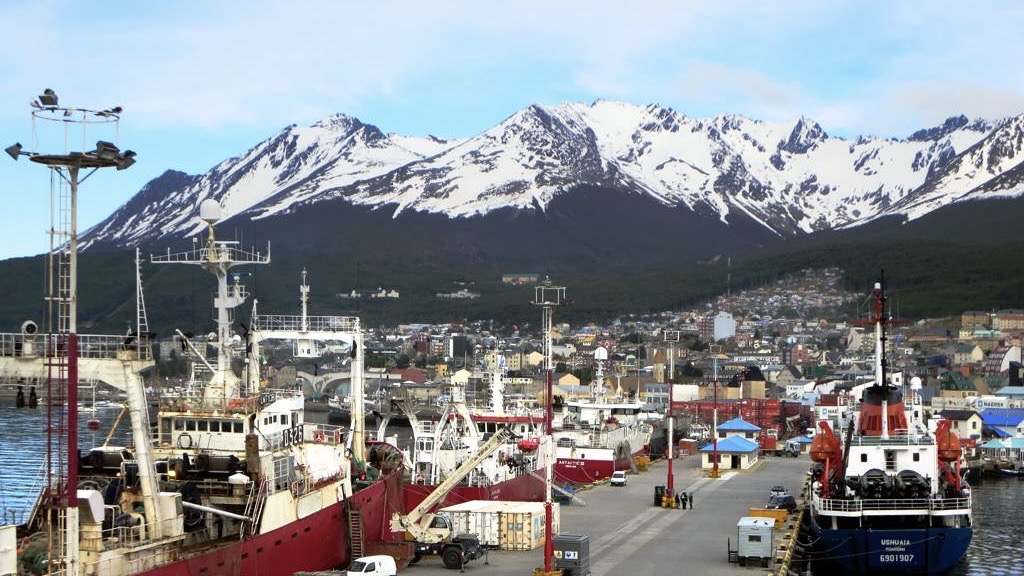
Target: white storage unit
754 540
502 524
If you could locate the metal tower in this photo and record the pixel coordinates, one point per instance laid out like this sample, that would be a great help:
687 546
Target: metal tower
68 169
548 297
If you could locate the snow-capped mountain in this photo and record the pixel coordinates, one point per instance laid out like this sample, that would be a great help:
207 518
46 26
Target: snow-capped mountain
791 178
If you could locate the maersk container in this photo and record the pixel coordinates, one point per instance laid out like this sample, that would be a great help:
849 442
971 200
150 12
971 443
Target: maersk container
523 523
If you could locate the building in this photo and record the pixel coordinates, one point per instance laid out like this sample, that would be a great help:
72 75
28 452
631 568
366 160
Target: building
966 423
734 453
720 326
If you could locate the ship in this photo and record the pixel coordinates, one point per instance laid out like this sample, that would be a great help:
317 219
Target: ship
598 436
890 497
515 471
228 477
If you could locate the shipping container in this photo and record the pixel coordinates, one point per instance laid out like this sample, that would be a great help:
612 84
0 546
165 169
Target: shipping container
504 525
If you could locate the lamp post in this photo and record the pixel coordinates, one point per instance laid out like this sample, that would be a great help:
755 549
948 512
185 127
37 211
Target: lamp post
62 296
548 297
715 350
671 337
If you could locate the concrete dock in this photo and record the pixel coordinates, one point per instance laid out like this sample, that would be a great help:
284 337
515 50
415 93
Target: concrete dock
631 537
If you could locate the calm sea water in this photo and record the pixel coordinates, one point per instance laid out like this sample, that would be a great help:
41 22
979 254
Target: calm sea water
995 549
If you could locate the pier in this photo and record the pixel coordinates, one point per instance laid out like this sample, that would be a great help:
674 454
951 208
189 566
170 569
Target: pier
630 536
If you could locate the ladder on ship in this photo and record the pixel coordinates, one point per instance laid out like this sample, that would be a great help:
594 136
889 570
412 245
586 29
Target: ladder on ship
254 509
355 532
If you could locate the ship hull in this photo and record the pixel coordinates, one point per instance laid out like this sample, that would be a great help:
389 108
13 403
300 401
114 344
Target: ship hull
317 542
892 551
593 467
523 488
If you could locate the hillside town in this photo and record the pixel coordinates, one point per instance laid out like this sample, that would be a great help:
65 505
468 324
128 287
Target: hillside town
773 355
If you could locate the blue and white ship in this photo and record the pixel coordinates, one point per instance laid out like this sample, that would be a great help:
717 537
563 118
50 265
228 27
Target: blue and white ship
889 498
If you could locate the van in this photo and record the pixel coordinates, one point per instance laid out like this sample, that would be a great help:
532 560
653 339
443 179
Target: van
381 565
618 478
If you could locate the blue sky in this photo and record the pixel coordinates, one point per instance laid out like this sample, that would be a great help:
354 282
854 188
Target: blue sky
204 81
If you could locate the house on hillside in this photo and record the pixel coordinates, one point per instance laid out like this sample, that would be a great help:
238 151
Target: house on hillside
966 423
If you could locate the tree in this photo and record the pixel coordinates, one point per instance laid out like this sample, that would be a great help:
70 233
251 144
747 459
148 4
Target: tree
561 368
402 360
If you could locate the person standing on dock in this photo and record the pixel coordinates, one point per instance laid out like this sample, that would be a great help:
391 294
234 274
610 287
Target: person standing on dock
682 500
19 402
690 497
33 401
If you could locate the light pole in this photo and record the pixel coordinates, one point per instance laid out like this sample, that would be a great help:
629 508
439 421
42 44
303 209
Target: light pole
716 351
548 297
671 337
66 170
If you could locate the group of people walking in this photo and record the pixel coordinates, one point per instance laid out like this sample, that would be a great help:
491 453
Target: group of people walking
682 499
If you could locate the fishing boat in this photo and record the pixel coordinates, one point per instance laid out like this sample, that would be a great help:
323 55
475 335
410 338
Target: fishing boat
890 496
229 478
513 472
597 436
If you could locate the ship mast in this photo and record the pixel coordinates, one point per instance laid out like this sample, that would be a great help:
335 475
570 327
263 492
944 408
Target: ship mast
218 257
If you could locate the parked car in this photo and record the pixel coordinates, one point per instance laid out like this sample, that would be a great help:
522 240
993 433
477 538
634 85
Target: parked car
778 490
786 502
618 478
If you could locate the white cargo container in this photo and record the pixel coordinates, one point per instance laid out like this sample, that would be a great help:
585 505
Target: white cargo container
475 517
754 540
502 524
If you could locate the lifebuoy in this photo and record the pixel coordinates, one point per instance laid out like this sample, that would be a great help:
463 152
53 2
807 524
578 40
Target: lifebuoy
184 440
318 435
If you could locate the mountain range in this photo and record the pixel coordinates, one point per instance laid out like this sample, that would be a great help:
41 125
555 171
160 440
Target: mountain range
633 207
789 179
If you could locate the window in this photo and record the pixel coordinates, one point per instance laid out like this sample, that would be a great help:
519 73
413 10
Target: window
190 425
917 457
202 425
863 457
753 538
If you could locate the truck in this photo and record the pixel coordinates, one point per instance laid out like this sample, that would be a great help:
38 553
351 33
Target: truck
431 533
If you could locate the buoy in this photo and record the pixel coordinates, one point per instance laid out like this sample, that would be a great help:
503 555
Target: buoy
93 424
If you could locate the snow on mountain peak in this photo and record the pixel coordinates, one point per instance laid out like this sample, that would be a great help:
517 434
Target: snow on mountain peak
790 177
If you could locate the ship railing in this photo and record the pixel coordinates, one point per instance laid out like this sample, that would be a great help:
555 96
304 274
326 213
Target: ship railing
293 323
894 440
90 346
920 505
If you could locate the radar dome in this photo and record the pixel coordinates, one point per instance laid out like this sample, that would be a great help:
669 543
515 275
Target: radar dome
209 211
600 353
915 383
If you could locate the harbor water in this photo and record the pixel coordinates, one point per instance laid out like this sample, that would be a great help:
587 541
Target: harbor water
994 549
